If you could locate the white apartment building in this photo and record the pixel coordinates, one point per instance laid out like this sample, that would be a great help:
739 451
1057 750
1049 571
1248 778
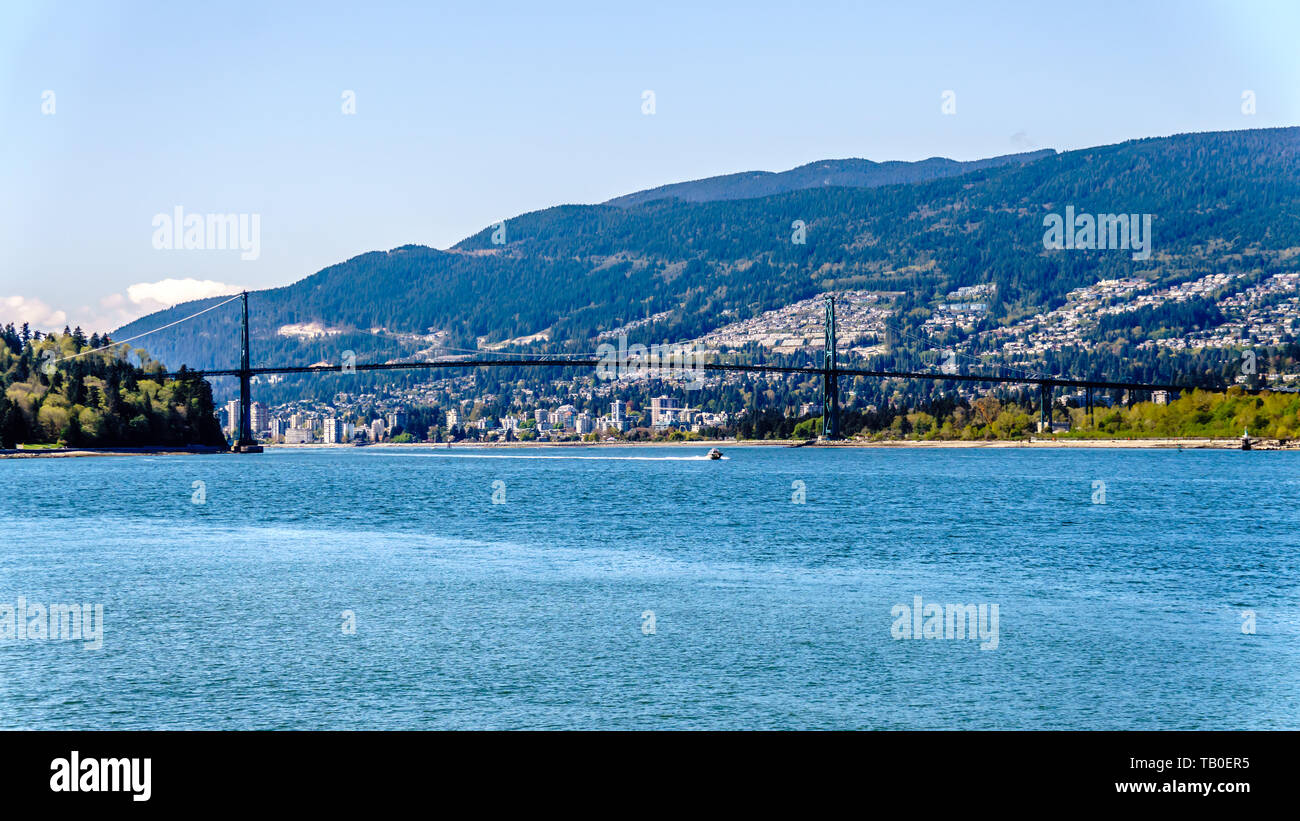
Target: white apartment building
334 431
258 418
232 417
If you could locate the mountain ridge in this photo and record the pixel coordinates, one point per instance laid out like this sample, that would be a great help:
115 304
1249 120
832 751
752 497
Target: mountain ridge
851 172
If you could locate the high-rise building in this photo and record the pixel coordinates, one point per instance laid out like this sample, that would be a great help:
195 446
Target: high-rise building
582 423
258 418
663 412
278 427
617 416
232 417
377 430
396 419
334 431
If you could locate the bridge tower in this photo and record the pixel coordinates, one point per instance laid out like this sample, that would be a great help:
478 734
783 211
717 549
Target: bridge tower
830 378
245 443
1044 407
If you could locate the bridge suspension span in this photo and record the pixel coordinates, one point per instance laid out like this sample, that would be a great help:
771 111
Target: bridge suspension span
829 372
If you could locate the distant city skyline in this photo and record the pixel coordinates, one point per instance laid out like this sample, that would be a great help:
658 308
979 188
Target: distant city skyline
113 115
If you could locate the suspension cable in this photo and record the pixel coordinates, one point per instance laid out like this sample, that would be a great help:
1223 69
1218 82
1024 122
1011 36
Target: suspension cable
146 333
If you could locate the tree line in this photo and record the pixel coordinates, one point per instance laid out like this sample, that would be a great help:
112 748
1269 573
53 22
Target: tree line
67 389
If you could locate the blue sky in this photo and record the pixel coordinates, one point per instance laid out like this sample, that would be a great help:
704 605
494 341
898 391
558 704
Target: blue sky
470 113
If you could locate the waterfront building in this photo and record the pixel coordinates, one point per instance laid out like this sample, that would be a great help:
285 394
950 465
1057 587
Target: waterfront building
334 431
664 411
232 417
258 418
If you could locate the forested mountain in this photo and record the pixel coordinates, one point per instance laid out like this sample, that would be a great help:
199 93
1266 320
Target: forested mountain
1221 202
853 173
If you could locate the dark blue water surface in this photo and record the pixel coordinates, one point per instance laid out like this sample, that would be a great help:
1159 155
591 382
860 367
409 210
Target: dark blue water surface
767 613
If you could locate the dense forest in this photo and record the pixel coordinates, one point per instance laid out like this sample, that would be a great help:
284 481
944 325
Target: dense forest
59 389
1197 414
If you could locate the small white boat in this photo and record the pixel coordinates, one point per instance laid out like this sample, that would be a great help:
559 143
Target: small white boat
715 454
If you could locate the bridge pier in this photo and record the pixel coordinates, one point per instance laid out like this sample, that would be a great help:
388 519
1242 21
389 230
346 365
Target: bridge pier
1044 407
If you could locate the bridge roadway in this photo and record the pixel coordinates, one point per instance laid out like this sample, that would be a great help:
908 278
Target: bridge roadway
1042 381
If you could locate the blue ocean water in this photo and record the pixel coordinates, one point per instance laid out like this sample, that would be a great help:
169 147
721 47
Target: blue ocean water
767 613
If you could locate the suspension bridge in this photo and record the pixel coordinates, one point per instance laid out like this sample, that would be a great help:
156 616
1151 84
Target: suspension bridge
829 372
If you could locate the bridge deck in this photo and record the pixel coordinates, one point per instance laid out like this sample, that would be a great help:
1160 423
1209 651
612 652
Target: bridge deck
1049 381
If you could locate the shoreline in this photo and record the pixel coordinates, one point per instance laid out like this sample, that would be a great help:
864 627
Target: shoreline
1033 442
67 453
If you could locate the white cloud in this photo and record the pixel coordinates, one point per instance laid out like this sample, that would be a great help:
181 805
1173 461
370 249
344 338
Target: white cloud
154 296
115 310
41 317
